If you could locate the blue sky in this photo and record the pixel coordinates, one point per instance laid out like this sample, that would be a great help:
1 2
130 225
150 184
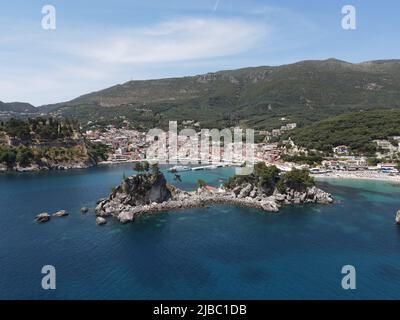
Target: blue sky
101 43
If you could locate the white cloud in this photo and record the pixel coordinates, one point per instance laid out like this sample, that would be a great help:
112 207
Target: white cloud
182 39
63 65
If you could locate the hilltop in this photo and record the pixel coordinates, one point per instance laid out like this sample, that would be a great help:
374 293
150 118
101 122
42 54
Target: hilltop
257 97
16 109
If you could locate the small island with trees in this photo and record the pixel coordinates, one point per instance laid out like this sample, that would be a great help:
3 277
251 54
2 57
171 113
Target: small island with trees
267 188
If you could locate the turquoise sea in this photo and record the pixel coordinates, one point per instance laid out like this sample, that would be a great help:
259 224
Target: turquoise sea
222 252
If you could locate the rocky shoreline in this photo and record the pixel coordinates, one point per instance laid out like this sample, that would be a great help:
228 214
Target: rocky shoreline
145 194
41 168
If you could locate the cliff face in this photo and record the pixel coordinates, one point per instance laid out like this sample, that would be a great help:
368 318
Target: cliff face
148 193
143 189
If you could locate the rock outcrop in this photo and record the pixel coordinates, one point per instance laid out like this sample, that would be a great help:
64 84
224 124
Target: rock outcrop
142 189
149 193
310 195
42 217
61 213
100 221
84 210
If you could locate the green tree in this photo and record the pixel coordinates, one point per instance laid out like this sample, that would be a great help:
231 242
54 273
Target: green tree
138 167
295 179
8 157
98 151
266 174
146 166
24 156
201 183
155 169
373 161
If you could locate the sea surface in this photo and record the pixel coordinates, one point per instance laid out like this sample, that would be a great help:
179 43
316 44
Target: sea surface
220 252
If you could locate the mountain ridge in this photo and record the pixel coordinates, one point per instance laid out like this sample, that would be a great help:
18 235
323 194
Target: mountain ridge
331 61
17 106
259 97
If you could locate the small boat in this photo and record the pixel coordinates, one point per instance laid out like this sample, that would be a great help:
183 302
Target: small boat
180 169
317 171
390 171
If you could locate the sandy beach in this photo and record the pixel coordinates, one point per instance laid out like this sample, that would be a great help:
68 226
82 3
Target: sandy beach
360 175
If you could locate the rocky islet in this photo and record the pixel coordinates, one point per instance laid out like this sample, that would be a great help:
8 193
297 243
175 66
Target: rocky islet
150 193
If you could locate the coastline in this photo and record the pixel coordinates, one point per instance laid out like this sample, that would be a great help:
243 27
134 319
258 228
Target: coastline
338 175
61 167
39 169
117 162
358 175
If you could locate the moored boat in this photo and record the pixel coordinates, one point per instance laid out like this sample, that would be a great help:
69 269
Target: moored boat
180 169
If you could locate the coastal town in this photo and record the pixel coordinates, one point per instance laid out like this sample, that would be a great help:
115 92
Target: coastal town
129 145
46 144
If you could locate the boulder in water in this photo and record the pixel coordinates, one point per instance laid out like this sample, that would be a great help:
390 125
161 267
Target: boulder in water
84 210
61 213
101 221
42 217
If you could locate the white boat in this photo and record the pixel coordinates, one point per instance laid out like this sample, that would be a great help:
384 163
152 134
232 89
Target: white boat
390 170
317 171
180 169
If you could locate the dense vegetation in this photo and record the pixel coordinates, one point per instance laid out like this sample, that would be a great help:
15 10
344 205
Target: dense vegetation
98 151
145 166
260 98
25 156
45 142
356 130
267 178
296 179
38 128
17 110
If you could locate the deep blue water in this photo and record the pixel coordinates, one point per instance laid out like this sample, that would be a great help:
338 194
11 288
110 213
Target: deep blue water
222 252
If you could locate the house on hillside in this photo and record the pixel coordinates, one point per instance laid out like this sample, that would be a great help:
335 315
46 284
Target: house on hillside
386 145
341 150
276 132
291 126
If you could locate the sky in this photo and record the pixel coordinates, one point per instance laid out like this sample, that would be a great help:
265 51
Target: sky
97 43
